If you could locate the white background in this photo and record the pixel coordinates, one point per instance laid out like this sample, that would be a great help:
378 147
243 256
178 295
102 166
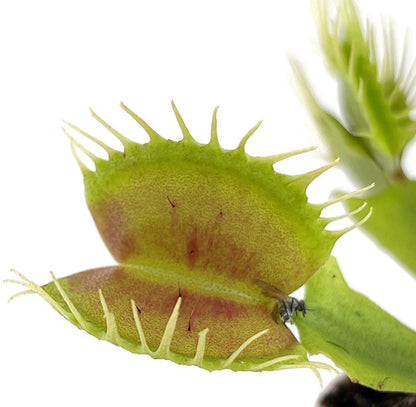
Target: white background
58 58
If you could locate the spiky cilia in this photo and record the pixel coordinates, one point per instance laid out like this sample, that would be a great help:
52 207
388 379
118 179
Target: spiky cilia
192 227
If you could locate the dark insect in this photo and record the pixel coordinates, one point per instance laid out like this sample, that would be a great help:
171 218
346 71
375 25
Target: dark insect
286 307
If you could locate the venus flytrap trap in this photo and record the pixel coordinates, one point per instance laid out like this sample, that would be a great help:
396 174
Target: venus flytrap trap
377 94
194 228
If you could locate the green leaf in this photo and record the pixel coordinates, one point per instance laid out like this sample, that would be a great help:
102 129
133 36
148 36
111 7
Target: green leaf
393 222
370 345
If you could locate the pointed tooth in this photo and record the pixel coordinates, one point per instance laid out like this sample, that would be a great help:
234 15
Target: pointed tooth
186 134
275 361
81 321
338 233
124 140
345 215
164 346
346 196
306 178
142 337
214 135
74 145
200 348
19 294
150 132
236 353
112 334
34 288
84 169
272 159
88 136
241 146
88 153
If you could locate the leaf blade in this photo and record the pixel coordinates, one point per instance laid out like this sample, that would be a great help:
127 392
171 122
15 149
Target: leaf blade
369 344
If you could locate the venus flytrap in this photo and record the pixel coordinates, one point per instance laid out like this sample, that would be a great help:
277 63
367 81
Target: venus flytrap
193 227
377 94
200 234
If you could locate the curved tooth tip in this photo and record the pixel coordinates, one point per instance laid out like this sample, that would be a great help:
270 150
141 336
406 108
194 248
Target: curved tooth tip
214 132
243 142
170 327
367 188
79 145
338 233
331 219
305 150
139 328
74 146
283 156
19 274
185 132
243 346
19 294
347 196
88 136
200 348
366 217
84 169
123 140
153 135
306 178
103 302
72 308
